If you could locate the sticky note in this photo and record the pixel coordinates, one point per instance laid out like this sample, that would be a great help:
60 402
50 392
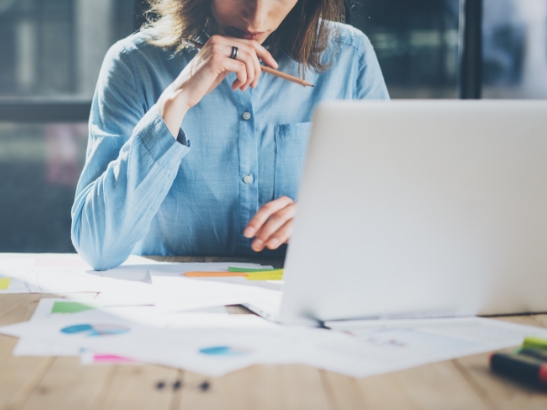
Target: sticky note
213 274
249 270
70 307
269 275
4 283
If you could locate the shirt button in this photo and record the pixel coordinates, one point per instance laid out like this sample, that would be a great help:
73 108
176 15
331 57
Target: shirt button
246 116
248 179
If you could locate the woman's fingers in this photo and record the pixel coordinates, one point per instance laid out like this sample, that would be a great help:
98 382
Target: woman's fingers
267 58
239 68
221 62
276 230
257 53
269 224
210 67
249 52
248 56
248 59
264 213
281 236
263 54
275 222
258 70
258 49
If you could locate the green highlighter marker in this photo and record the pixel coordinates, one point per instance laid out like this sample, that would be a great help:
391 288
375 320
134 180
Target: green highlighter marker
534 343
248 270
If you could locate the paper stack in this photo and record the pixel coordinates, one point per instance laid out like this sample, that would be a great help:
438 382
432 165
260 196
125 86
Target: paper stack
145 312
215 343
137 282
208 343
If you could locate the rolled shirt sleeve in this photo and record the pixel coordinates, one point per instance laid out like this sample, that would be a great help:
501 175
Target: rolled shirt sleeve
132 160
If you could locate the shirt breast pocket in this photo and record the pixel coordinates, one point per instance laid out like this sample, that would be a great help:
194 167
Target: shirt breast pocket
291 144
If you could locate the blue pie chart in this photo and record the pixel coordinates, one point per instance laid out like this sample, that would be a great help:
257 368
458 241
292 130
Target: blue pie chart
224 351
95 329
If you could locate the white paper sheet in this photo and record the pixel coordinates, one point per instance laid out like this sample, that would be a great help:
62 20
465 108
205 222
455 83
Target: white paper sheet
131 285
126 285
390 345
17 268
58 273
178 347
181 293
16 285
71 274
143 315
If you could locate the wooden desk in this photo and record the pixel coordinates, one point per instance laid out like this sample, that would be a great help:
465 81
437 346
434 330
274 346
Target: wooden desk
45 383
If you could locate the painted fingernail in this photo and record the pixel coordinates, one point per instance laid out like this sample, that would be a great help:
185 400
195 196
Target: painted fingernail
249 232
273 243
258 245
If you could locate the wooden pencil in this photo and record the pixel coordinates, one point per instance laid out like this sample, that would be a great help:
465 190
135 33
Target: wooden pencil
266 69
285 76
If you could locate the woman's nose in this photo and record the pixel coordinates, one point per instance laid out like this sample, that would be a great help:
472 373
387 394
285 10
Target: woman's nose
256 14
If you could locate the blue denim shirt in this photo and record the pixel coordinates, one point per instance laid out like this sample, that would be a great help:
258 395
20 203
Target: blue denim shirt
143 192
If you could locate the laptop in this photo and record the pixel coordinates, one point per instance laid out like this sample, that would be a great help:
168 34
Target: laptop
419 209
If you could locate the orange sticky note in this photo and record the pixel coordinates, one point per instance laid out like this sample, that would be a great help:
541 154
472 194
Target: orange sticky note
213 274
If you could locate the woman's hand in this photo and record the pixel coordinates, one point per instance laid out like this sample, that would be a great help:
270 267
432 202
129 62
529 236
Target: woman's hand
272 225
207 70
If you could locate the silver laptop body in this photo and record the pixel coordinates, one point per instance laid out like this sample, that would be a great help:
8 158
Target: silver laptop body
420 209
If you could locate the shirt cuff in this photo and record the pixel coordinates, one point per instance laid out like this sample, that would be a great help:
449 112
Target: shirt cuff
159 142
181 139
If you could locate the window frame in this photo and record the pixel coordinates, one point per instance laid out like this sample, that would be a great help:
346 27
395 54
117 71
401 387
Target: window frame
71 110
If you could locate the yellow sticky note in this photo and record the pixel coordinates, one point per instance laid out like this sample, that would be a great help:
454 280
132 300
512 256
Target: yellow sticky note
270 275
4 283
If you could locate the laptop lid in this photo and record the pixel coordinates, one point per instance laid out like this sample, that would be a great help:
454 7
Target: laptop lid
429 208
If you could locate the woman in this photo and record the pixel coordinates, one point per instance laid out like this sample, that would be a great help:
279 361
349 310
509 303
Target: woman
146 190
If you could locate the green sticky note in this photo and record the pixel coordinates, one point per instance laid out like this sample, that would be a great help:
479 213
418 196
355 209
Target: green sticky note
249 270
534 343
269 275
4 283
70 307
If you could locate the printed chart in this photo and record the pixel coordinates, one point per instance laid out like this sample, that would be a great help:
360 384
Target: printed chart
224 351
95 329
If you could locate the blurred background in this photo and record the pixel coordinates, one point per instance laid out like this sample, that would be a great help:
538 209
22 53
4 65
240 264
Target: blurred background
51 52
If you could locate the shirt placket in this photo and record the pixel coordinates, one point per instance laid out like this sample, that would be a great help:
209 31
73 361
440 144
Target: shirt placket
248 162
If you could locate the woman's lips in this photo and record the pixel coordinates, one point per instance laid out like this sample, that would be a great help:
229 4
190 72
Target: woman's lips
246 34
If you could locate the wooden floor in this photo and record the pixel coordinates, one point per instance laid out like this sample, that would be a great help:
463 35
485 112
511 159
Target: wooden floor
45 383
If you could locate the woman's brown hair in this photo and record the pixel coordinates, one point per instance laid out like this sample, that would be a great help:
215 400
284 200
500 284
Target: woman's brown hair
303 35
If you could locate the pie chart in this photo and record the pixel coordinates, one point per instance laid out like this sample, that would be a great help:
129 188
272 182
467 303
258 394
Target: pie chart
224 351
94 330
